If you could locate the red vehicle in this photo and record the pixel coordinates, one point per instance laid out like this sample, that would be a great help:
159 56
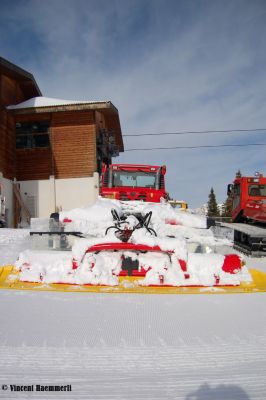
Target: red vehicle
249 198
133 182
249 214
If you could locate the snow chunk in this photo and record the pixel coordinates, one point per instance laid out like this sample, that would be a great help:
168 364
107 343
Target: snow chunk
42 101
164 212
56 267
91 220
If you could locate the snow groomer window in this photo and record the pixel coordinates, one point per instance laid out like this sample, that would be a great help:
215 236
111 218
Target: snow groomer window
30 135
257 190
134 179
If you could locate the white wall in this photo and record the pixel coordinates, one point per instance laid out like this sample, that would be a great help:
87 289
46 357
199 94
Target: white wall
76 192
52 194
7 191
60 194
44 194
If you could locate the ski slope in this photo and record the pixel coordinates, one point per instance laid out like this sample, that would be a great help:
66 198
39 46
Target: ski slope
192 347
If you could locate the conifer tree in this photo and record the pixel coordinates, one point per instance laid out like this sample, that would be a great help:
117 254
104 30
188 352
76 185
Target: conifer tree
228 204
212 208
227 207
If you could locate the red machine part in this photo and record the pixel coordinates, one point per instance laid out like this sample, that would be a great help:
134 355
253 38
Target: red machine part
67 220
232 264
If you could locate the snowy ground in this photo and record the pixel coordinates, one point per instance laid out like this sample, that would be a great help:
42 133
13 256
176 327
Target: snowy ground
191 347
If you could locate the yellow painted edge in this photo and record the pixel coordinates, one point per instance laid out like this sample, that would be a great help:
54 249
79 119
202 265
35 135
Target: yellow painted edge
9 280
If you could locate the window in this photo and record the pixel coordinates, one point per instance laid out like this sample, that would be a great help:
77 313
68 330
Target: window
134 179
30 135
257 190
237 189
236 195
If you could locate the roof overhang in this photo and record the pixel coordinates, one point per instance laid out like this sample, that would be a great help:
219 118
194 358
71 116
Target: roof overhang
25 79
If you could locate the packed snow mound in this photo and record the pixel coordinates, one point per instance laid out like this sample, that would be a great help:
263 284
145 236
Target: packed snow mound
56 267
103 268
167 234
91 220
95 219
99 211
165 212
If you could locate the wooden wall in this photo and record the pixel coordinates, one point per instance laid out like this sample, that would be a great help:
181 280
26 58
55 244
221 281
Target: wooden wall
100 120
33 163
73 137
10 91
72 151
7 145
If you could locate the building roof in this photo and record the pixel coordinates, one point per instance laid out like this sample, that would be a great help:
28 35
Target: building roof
25 78
39 102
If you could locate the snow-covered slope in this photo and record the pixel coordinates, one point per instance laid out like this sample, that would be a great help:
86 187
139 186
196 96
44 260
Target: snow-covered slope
134 346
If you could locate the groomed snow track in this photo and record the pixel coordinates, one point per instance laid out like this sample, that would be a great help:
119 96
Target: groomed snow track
134 347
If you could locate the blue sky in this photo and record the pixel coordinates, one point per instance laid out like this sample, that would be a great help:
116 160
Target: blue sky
167 65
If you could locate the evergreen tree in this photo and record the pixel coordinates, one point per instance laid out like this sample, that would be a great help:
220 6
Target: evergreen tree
227 207
228 204
212 208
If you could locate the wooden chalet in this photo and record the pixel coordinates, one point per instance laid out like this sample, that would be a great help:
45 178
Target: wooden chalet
51 150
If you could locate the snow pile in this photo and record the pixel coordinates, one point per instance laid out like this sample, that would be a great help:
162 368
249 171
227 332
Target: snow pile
103 268
95 219
207 270
169 221
81 245
92 220
39 266
164 212
168 261
161 270
56 267
202 270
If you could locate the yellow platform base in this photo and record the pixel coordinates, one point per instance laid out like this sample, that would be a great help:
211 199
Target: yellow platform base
9 280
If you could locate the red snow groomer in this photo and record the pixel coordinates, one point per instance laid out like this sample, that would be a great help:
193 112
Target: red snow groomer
248 194
249 198
133 182
151 260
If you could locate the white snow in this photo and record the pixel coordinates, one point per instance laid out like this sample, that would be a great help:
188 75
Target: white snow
93 220
42 101
104 268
